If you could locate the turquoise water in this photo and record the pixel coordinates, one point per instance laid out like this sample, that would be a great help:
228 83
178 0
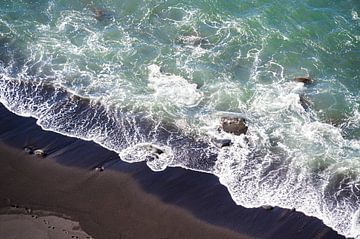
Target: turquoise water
187 64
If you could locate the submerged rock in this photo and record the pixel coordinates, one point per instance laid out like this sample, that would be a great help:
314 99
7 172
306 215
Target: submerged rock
220 143
158 151
195 41
234 125
102 15
305 80
305 103
153 149
39 153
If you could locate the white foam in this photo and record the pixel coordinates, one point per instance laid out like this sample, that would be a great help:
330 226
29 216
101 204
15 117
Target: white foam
355 15
173 89
147 152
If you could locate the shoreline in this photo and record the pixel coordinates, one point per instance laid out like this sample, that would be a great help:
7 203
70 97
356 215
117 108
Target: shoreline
195 195
106 205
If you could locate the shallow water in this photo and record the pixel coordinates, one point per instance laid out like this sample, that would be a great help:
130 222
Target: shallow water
163 73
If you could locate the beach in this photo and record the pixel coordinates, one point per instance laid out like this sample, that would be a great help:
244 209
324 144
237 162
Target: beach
123 200
232 118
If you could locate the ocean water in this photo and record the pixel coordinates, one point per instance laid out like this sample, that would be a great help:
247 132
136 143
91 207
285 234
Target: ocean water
136 75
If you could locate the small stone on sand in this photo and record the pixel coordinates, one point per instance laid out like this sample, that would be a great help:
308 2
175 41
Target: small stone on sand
100 169
28 149
39 152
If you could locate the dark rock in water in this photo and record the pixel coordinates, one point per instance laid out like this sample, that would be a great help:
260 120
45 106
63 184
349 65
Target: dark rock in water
305 80
158 151
154 150
102 15
39 153
305 103
195 41
267 207
29 149
235 125
151 157
335 121
203 43
220 143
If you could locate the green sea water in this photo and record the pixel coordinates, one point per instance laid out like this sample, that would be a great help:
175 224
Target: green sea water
188 63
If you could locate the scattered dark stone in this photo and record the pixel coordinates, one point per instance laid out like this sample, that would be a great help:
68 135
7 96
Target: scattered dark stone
154 150
234 125
305 80
29 149
220 143
99 169
293 209
267 207
39 153
150 158
28 210
158 151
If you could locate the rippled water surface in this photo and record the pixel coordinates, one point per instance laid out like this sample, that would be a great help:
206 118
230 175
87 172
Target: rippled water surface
138 75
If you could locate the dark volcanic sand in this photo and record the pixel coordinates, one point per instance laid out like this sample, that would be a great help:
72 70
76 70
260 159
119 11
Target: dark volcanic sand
20 223
107 205
128 200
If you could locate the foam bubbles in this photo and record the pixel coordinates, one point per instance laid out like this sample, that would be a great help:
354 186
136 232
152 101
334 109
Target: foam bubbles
355 15
157 158
173 89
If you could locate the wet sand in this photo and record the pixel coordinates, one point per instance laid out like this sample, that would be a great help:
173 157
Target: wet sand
107 204
20 223
127 200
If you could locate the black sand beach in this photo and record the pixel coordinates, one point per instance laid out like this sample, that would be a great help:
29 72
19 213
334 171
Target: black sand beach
125 200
